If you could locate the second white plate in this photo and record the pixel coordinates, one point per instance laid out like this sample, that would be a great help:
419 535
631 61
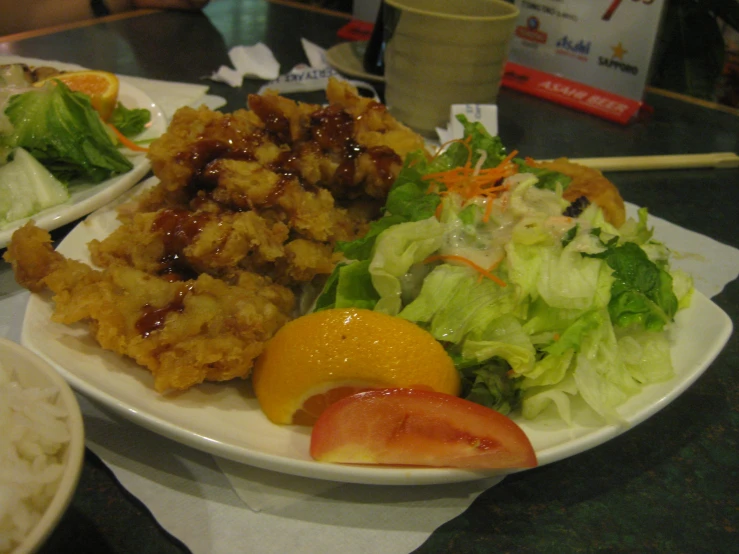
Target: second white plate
84 199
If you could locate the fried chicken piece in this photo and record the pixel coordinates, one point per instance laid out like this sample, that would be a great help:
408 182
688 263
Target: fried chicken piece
193 138
249 207
356 146
181 243
593 185
352 147
374 126
32 245
304 259
184 332
177 242
321 172
311 213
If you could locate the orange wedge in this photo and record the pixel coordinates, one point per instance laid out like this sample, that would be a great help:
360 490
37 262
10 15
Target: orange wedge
101 86
317 359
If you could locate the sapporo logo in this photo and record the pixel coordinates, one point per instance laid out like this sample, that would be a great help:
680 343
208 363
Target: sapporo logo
616 61
531 31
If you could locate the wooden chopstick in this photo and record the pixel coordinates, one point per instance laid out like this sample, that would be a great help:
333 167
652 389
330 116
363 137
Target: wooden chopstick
717 160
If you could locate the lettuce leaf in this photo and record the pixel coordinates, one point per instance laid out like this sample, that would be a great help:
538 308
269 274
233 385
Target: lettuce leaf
349 285
488 384
130 122
454 303
396 250
502 338
61 130
572 336
546 178
27 187
646 356
407 201
479 140
636 230
641 293
602 378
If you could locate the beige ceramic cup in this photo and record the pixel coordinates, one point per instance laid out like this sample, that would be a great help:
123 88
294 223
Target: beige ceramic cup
443 52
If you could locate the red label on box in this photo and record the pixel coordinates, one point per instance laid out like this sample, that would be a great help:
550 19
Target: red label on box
570 93
531 31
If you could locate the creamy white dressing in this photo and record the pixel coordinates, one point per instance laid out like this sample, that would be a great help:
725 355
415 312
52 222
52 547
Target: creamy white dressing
524 211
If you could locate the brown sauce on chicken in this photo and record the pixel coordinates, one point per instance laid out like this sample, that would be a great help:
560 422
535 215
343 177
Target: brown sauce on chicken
178 228
153 318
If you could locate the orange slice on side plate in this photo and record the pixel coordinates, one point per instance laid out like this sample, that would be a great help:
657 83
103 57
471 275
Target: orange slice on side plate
101 86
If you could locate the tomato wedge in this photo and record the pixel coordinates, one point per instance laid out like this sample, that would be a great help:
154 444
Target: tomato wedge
420 428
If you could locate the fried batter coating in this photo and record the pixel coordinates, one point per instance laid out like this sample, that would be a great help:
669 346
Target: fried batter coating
305 259
204 266
33 246
178 242
184 332
352 147
592 184
302 172
173 156
374 126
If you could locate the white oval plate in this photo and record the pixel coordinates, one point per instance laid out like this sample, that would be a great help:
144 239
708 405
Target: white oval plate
88 198
225 419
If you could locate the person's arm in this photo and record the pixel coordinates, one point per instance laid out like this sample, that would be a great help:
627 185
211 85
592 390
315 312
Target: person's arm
172 4
118 6
22 16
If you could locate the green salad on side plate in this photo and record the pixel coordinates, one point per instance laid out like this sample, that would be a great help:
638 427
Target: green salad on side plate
52 138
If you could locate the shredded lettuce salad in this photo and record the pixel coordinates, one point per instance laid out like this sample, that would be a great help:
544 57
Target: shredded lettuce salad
541 312
50 138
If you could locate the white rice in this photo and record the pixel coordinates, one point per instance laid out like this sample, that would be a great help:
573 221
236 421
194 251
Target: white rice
33 437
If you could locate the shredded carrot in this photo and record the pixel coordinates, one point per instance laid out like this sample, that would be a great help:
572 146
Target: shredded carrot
556 336
125 141
488 210
437 212
490 269
482 271
471 182
443 147
509 157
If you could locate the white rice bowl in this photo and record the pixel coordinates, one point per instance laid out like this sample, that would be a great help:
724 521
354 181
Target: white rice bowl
41 448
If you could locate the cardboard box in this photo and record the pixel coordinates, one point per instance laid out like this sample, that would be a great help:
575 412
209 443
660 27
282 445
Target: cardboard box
591 55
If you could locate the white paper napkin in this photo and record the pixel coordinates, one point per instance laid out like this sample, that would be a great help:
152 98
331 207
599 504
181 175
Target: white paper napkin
312 77
171 95
255 61
487 114
194 501
712 264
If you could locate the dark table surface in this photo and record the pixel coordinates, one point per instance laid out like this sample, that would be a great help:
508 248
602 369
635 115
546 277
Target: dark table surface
671 484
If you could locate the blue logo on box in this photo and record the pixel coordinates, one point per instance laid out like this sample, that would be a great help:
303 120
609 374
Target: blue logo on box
581 47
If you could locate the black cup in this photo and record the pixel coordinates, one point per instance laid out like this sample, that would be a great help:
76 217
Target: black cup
374 53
